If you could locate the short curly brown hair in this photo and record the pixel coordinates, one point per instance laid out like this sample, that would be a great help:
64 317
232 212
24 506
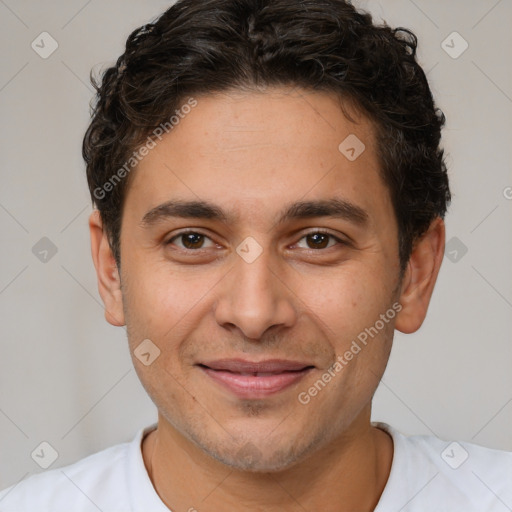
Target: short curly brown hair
209 46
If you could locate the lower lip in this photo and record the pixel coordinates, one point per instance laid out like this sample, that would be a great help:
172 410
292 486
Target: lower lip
251 386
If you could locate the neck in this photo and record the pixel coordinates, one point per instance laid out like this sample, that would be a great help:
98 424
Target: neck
347 475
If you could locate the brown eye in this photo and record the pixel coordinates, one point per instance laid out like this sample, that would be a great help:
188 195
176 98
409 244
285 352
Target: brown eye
317 240
320 240
191 240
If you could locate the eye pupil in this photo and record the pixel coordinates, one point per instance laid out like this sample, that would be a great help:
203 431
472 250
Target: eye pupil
317 240
193 240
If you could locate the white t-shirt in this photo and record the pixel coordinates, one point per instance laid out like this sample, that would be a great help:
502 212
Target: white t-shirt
427 475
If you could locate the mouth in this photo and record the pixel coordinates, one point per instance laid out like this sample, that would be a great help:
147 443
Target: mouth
248 379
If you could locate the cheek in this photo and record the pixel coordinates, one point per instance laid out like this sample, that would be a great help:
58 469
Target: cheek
345 301
158 294
166 305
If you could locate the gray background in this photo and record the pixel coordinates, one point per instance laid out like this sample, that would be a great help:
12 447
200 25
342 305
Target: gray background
66 376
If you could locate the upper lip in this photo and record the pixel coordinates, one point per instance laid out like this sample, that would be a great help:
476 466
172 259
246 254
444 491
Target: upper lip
267 366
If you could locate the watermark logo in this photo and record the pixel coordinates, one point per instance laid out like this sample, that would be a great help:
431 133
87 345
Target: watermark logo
249 250
44 455
454 45
455 249
352 147
44 250
44 45
454 455
147 352
249 454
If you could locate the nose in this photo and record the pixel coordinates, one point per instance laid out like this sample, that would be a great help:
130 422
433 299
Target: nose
254 298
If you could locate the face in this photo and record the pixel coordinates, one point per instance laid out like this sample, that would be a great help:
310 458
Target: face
254 254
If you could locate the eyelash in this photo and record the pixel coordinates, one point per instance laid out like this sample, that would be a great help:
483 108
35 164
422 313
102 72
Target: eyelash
315 232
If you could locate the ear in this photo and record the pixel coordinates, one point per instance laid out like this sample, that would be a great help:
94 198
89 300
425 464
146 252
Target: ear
109 282
420 277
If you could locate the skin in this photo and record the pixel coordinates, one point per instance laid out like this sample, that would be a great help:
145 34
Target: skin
253 154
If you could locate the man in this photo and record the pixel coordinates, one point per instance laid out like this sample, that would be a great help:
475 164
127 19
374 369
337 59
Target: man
270 193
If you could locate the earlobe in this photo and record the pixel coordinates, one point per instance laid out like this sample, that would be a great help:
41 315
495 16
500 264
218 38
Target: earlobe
420 277
109 283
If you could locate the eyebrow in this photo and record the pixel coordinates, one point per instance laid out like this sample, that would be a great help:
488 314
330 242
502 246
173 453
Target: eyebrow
337 208
183 209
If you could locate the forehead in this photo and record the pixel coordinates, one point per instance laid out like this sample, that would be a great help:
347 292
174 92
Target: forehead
246 150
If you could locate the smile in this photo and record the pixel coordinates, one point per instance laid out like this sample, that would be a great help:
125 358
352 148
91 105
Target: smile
247 379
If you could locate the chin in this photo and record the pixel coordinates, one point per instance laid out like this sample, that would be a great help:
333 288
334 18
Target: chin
261 455
249 458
